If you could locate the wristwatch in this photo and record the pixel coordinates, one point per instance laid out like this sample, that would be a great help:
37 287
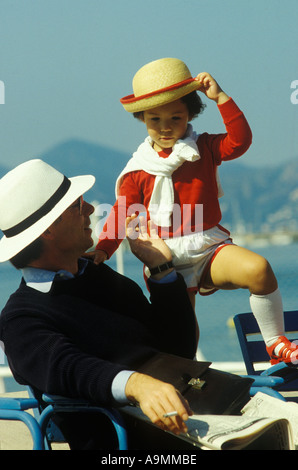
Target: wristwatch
161 268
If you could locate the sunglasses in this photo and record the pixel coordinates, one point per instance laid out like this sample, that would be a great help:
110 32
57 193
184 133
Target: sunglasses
78 204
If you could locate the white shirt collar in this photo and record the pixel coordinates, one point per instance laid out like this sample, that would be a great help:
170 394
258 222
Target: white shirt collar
42 279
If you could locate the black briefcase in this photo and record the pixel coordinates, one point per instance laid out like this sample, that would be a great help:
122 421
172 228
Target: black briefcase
207 390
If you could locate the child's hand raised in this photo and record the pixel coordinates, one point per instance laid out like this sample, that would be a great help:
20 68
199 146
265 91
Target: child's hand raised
210 88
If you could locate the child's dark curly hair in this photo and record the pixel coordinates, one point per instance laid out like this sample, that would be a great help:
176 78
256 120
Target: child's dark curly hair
193 102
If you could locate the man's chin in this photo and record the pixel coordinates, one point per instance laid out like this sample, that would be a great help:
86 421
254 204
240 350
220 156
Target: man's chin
89 240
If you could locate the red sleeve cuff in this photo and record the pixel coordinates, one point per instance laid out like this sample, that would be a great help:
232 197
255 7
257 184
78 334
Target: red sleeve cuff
229 110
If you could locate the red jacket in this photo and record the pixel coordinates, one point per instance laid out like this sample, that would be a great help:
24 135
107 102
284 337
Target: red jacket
194 182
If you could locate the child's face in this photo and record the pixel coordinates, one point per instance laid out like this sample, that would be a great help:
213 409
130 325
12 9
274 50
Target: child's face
166 124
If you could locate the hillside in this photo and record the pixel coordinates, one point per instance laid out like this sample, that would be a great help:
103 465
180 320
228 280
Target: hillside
260 199
75 157
256 199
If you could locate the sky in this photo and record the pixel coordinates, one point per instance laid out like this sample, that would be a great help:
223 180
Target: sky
65 64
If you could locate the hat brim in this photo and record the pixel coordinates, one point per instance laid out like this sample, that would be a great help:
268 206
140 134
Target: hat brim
11 246
134 104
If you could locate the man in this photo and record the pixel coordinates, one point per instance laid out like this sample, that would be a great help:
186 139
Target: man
80 330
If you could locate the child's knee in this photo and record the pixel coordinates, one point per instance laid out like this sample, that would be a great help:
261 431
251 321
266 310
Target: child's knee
262 278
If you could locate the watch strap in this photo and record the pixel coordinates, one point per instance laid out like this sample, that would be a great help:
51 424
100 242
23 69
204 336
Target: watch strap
161 268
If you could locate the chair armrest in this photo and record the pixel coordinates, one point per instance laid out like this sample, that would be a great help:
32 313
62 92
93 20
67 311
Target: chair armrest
287 372
57 403
18 403
277 369
14 409
60 400
268 391
265 381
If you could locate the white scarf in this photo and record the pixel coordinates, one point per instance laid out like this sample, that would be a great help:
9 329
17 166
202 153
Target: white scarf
147 159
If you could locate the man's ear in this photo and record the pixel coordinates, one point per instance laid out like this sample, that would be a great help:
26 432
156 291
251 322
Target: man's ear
48 233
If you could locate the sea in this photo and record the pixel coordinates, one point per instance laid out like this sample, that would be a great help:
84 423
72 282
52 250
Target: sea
218 339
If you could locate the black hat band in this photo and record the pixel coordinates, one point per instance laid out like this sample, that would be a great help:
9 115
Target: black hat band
41 212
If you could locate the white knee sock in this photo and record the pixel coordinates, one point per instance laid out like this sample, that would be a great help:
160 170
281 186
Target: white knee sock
268 311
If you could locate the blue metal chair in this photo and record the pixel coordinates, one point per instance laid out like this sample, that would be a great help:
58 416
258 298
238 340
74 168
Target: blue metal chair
274 379
15 409
43 430
58 404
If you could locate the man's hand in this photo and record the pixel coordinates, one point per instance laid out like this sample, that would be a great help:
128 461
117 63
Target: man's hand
146 245
156 398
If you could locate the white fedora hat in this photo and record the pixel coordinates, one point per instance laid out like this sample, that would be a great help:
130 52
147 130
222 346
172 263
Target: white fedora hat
33 195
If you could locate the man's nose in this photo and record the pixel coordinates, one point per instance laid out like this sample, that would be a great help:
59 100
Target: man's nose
87 208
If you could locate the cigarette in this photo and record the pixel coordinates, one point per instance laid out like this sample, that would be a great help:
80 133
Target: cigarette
172 413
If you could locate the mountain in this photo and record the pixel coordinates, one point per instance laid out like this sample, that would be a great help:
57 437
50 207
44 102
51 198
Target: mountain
77 157
260 199
256 199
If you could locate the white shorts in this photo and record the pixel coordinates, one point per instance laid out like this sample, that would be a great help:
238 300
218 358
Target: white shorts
194 253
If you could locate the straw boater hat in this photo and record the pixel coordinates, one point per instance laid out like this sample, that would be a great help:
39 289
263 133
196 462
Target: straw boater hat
33 196
159 82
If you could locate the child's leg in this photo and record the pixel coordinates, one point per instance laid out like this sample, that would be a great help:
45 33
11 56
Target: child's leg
235 267
268 311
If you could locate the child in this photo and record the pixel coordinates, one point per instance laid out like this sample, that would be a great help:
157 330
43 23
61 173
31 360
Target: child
176 167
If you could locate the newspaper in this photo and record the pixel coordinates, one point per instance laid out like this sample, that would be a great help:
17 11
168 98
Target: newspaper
229 432
265 405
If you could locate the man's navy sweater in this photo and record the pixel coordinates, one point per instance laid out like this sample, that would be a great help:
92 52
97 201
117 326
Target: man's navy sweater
75 339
